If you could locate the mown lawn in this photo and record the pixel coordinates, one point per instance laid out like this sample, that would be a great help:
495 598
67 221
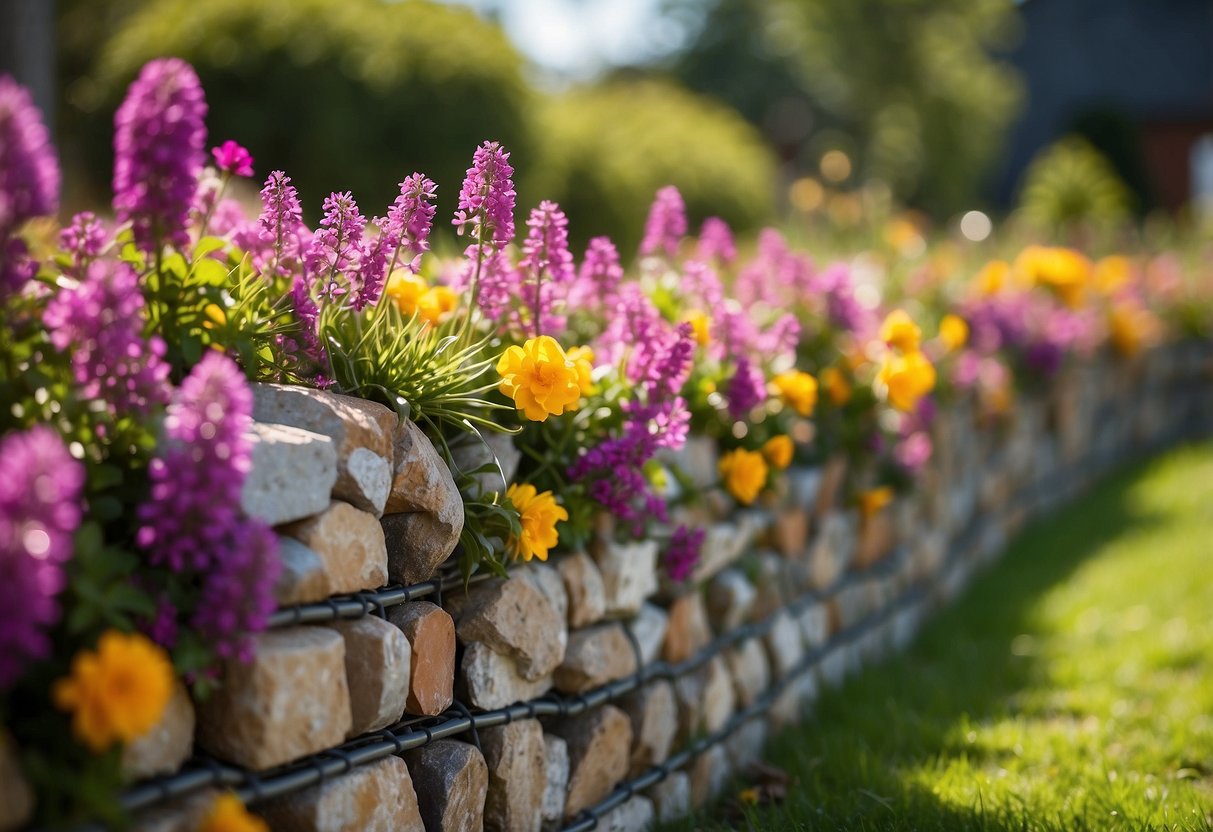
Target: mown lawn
1070 689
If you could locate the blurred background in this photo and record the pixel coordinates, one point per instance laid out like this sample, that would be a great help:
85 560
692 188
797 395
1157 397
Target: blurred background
828 111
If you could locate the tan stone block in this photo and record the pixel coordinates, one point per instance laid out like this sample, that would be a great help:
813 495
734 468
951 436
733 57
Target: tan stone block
169 744
515 619
418 543
629 574
688 631
709 774
784 643
292 474
671 797
595 656
705 700
377 797
833 476
377 662
599 742
489 680
654 715
876 539
16 796
790 533
289 701
430 631
730 597
451 780
648 629
517 762
350 544
634 815
584 587
751 674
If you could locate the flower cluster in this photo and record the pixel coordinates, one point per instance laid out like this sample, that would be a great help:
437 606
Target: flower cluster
29 180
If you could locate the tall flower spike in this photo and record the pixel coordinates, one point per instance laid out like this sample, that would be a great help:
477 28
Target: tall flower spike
547 265
599 277
403 235
334 259
666 225
159 151
486 201
716 241
281 225
29 180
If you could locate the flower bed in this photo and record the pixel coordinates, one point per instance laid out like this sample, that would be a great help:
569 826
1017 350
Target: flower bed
261 484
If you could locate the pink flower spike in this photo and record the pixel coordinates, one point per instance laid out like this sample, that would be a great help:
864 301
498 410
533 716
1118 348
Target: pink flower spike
233 158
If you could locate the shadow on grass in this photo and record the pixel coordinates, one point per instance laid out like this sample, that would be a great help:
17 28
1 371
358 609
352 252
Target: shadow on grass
971 663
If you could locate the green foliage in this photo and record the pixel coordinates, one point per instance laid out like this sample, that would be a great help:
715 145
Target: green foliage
1070 185
607 150
343 96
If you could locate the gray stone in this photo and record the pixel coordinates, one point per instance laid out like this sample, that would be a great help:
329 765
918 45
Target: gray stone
491 680
377 797
723 543
705 700
595 656
730 597
488 448
629 574
169 744
599 742
636 815
303 579
709 774
292 474
417 544
745 745
547 580
451 780
671 797
584 589
557 787
814 625
517 762
751 674
517 620
377 661
648 628
349 542
654 715
784 644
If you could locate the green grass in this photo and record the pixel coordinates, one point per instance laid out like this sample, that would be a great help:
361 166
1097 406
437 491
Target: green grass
1071 688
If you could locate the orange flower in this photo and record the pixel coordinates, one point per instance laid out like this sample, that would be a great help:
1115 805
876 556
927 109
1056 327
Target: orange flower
228 814
539 513
798 390
406 289
1111 273
993 277
540 378
1062 270
778 450
744 474
900 332
437 302
837 386
907 379
874 499
583 360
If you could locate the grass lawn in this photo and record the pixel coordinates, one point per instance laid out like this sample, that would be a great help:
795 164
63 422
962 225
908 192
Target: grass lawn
1070 689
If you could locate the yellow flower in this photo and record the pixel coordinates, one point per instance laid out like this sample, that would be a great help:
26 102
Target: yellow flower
993 277
540 378
228 814
406 289
583 360
778 451
748 797
700 328
900 331
908 378
436 302
118 692
1062 270
215 316
874 499
1130 327
798 390
744 474
1111 273
953 332
538 512
837 386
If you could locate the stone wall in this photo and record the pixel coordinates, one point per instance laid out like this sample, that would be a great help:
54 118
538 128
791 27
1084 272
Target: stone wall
584 692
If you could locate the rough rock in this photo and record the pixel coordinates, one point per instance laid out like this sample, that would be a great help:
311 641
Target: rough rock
451 780
723 543
688 631
599 742
595 656
767 572
745 745
584 588
431 635
648 628
489 448
490 680
417 544
361 431
349 542
303 578
292 475
421 480
635 815
289 701
790 532
804 484
654 715
557 787
831 553
751 674
377 661
709 774
814 625
16 796
547 580
876 539
629 574
784 644
515 619
169 744
730 597
377 797
671 797
184 814
517 763
833 475
705 700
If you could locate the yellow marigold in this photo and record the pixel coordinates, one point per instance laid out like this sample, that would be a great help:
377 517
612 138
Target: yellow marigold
836 385
701 328
118 692
227 814
1111 273
993 277
583 360
1130 327
778 451
406 289
437 302
540 378
1062 270
744 474
953 332
900 331
798 390
539 513
907 378
874 499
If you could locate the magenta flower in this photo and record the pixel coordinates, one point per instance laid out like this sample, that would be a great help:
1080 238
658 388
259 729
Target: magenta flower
233 158
333 262
40 508
159 151
682 554
598 278
716 242
486 201
405 231
746 389
547 268
29 180
84 239
666 225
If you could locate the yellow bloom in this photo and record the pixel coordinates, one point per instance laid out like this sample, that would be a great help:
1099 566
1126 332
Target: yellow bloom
118 692
1062 270
406 289
538 512
900 331
215 316
837 386
798 390
744 474
778 451
748 797
436 302
228 814
1112 272
953 332
701 328
583 360
540 378
874 499
908 378
993 277
1130 327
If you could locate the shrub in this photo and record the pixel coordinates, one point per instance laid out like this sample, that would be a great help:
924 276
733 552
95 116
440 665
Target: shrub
1070 185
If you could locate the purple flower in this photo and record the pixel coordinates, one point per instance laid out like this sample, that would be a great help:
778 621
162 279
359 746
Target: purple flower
682 554
598 278
29 180
159 151
406 229
716 241
777 276
84 239
486 202
842 307
192 522
231 157
746 389
666 224
913 452
334 258
99 321
40 486
545 251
